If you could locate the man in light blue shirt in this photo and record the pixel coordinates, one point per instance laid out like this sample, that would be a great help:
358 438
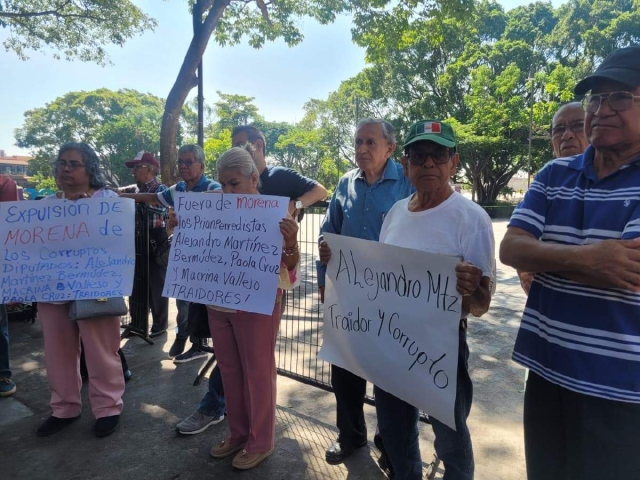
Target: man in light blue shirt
357 209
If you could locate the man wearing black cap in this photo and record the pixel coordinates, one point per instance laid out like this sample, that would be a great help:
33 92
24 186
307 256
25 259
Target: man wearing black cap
145 168
578 229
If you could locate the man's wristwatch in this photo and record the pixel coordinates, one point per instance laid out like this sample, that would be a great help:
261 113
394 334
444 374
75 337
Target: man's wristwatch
299 205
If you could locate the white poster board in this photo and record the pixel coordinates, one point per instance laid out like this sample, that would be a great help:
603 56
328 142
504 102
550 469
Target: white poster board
226 250
391 316
62 250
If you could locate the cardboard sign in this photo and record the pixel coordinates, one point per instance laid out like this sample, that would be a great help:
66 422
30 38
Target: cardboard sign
392 316
62 250
226 250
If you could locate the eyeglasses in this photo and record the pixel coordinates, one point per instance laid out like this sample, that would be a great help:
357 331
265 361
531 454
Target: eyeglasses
419 158
186 163
560 130
618 101
136 167
73 165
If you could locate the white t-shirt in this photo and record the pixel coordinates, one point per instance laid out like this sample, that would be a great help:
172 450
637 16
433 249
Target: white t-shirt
457 227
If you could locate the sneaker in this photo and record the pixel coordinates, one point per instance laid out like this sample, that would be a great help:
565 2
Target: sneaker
225 449
192 354
53 425
7 387
177 348
246 461
105 426
197 423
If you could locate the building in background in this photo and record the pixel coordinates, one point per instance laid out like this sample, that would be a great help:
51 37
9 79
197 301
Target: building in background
16 166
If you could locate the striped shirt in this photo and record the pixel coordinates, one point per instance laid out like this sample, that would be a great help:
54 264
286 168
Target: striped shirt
157 214
582 338
204 185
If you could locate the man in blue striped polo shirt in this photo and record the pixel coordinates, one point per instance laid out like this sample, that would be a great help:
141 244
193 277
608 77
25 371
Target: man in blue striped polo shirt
578 230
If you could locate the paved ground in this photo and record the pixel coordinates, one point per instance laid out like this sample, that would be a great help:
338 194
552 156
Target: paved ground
161 393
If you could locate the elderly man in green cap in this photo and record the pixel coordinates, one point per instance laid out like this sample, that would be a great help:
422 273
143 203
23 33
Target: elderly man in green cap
437 219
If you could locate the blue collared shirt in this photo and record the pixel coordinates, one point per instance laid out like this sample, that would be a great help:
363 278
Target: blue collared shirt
357 209
204 185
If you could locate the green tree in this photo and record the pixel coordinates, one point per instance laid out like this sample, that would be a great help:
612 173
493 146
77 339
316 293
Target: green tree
215 146
302 149
117 124
476 70
234 110
40 165
231 21
46 182
73 29
136 129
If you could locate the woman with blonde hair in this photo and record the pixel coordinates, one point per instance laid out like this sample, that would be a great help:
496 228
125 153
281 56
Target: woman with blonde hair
245 342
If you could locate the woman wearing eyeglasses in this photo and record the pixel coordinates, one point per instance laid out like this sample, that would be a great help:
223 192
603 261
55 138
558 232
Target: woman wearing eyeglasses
77 173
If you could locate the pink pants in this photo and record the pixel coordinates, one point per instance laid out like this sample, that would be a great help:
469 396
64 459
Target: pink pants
245 348
101 338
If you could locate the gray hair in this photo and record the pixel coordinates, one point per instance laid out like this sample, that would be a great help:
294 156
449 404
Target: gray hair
195 149
387 129
238 158
91 163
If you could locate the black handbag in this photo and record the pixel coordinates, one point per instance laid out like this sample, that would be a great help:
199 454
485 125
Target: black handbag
198 320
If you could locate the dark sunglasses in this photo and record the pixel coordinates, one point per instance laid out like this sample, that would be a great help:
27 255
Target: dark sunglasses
419 158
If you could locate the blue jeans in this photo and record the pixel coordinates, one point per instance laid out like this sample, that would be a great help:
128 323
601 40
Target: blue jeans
213 403
398 425
5 371
182 319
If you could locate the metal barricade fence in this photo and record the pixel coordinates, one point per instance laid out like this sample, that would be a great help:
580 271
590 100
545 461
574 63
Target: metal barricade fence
136 322
300 335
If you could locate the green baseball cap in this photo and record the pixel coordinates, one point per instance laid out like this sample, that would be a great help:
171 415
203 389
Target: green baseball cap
432 131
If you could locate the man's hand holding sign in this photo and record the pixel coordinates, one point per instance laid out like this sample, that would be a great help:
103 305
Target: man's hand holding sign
395 311
392 315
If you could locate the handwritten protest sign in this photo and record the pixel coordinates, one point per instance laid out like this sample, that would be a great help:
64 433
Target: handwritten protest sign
391 316
61 250
226 250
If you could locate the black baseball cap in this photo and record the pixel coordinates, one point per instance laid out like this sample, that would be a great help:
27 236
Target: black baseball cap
622 65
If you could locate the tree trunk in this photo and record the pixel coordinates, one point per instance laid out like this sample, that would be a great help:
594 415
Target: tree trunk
185 81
